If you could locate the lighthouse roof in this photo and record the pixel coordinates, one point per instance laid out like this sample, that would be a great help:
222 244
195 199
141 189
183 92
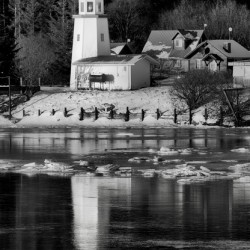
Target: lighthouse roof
116 60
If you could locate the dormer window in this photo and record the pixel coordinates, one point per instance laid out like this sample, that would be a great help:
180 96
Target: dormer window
98 7
178 43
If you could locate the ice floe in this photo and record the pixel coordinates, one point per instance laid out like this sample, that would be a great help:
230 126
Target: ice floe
241 150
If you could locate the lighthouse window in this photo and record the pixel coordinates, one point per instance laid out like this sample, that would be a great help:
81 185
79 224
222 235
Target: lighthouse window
82 7
102 37
99 7
90 6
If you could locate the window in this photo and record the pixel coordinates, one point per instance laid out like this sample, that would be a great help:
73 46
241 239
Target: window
82 6
78 38
90 7
198 63
178 43
178 63
102 37
99 7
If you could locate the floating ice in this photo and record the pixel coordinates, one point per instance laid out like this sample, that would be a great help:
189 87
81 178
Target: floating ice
82 163
167 151
107 169
240 168
139 159
240 150
186 151
151 151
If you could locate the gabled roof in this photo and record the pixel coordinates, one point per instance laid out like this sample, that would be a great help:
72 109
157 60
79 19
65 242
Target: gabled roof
212 56
237 50
116 60
160 42
158 37
120 49
189 34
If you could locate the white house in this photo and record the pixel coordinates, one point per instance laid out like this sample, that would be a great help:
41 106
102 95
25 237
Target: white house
92 65
241 73
124 72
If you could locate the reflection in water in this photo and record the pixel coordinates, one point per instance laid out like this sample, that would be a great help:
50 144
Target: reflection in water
96 202
83 212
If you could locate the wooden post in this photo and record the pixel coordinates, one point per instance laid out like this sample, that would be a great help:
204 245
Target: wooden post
39 112
53 112
175 116
23 112
111 114
9 98
96 113
142 115
190 116
39 82
65 112
221 117
127 115
82 114
158 113
206 115
21 81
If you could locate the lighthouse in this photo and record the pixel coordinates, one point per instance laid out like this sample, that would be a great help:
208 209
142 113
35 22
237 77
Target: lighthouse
91 34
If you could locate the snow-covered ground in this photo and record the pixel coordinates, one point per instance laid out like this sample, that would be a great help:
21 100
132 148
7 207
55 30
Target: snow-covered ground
149 99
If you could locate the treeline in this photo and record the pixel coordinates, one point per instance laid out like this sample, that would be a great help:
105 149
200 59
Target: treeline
36 35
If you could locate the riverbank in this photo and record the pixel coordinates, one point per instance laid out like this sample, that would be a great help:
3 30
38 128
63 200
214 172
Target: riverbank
47 109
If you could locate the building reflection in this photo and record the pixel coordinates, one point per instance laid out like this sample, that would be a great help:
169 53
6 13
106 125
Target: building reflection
78 142
95 202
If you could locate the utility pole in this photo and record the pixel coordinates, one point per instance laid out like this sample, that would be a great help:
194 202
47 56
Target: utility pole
9 98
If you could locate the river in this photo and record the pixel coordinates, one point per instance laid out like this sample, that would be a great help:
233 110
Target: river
80 211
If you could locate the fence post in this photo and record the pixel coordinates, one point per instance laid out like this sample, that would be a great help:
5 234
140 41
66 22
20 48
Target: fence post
206 115
23 112
221 117
39 112
39 82
53 112
190 116
96 113
111 114
127 115
142 115
158 113
65 112
175 116
82 114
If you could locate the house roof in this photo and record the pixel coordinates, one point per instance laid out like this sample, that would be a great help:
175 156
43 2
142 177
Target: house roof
120 48
213 56
237 50
194 36
189 34
160 42
116 60
158 37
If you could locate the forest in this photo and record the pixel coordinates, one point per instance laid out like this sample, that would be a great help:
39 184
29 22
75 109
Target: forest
36 35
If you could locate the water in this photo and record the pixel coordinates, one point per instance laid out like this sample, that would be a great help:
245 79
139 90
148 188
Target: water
76 211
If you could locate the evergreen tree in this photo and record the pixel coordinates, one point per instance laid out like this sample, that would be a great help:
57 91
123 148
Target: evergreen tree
61 31
8 48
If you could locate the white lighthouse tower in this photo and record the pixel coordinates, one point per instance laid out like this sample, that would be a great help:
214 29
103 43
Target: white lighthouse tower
91 34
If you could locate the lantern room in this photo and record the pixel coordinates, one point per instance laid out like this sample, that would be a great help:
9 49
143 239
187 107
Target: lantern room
91 7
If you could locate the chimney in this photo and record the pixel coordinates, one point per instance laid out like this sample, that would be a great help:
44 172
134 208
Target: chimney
227 47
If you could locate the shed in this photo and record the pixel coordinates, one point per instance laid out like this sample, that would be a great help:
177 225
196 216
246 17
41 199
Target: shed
241 73
121 72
